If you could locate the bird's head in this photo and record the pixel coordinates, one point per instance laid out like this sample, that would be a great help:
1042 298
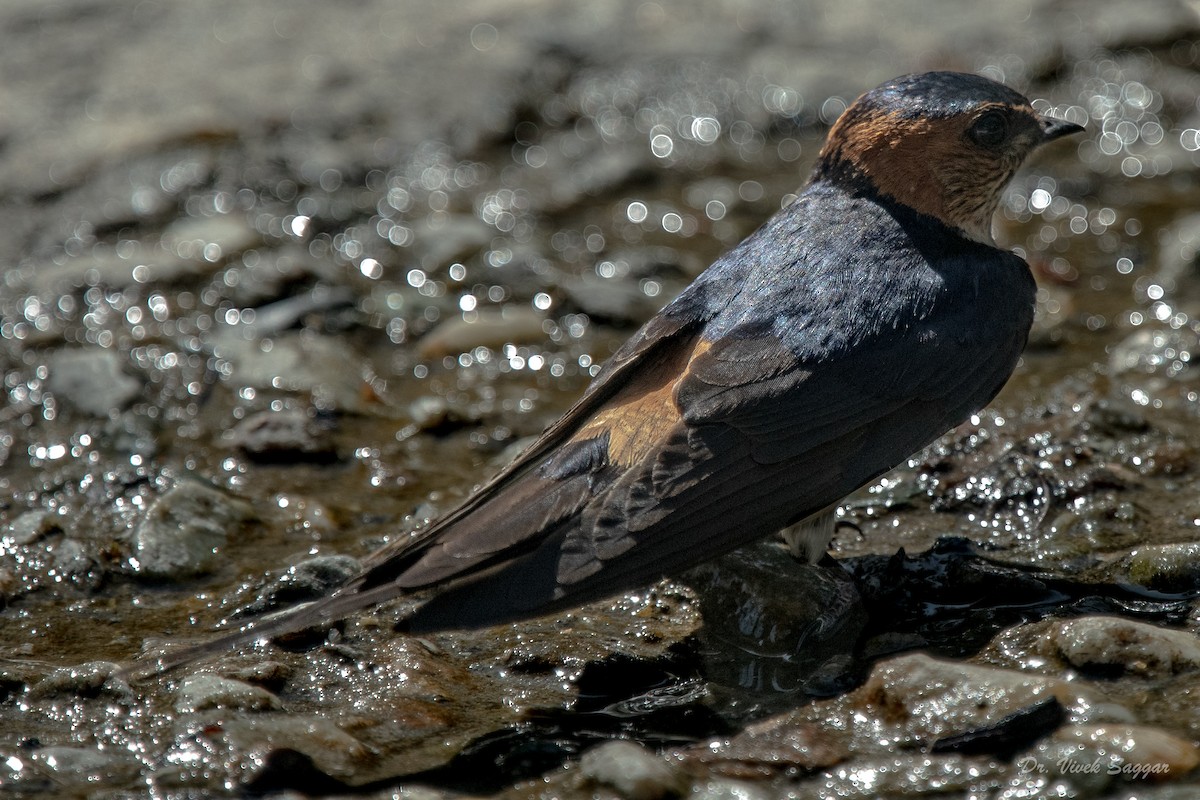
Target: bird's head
942 143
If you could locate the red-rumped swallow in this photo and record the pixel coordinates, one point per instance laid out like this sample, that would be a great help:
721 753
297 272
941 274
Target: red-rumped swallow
857 325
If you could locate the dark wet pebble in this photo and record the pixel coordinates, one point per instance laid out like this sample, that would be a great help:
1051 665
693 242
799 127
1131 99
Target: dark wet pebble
92 380
789 618
184 531
312 578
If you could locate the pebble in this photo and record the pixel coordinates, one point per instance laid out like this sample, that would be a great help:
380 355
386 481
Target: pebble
204 692
209 239
932 698
334 751
491 327
722 789
436 415
182 532
631 770
84 768
1135 751
92 380
286 436
617 301
780 743
30 526
449 239
1154 351
1131 646
312 578
1171 568
324 367
85 680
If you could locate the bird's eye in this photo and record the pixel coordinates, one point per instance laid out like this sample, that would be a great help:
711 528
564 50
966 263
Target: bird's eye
990 129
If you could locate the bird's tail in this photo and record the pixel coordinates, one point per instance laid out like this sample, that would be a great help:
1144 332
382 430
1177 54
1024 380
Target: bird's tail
318 612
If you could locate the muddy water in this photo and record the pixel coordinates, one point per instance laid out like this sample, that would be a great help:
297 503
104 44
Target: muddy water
235 363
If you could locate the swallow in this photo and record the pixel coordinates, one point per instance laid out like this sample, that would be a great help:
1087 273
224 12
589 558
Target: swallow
868 317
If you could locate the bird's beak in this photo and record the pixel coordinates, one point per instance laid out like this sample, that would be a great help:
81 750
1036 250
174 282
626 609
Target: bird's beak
1055 128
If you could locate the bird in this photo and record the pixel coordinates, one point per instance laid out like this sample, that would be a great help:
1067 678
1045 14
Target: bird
859 323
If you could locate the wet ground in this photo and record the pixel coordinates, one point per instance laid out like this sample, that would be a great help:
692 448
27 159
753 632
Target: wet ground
282 281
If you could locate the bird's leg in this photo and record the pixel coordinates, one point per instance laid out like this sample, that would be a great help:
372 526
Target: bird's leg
809 538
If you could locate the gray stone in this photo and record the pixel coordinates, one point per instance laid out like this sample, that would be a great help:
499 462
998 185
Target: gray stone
92 380
630 769
491 327
30 526
183 531
1136 647
326 368
204 692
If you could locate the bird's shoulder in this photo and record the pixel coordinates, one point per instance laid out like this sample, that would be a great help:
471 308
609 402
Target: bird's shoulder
836 269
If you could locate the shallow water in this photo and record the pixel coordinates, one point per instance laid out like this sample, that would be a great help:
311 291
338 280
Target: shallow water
326 348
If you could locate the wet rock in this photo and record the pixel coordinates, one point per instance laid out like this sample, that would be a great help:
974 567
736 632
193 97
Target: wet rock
274 318
31 526
271 675
183 531
324 367
286 436
1153 351
1135 751
92 380
777 744
792 616
931 699
722 789
204 692
436 415
334 751
1173 568
288 773
210 239
631 770
84 680
1122 645
1179 254
307 580
490 328
84 768
614 301
445 240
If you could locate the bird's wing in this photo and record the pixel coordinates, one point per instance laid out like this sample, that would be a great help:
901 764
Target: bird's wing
768 438
756 437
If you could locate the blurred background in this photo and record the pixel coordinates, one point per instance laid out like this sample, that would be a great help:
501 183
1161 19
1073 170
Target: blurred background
283 280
